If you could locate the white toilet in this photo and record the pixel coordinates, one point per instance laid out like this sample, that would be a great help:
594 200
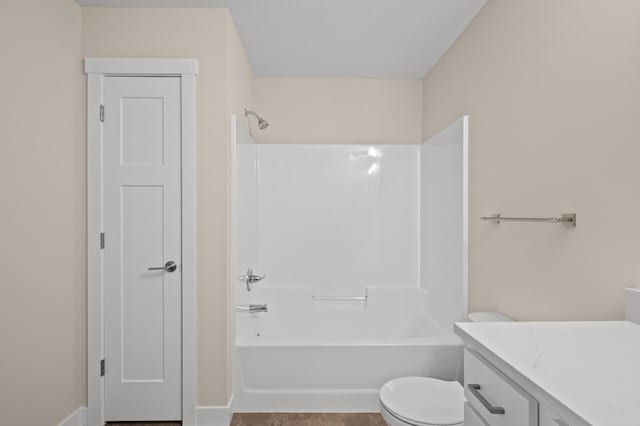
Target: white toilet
424 401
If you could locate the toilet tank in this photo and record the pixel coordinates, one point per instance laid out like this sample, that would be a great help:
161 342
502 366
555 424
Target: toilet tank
488 317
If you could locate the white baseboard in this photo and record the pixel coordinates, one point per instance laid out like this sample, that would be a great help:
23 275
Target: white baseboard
205 416
215 416
77 418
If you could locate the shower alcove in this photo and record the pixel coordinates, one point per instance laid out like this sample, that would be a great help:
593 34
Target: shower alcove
364 248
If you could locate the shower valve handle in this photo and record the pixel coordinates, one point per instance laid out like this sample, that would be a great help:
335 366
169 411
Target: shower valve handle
250 279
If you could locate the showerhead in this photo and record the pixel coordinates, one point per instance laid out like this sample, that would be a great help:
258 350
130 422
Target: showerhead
262 123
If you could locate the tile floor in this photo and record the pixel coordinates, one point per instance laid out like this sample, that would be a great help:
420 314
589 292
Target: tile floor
305 419
288 419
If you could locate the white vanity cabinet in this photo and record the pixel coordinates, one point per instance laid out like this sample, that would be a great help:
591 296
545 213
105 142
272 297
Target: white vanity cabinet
471 417
495 398
582 373
549 418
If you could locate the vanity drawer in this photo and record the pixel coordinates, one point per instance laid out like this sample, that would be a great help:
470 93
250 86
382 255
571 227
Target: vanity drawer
497 399
471 418
549 418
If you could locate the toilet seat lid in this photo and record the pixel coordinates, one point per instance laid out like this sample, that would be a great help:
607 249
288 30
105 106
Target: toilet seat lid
423 400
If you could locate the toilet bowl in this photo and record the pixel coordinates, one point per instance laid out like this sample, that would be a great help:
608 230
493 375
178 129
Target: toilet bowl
425 401
422 401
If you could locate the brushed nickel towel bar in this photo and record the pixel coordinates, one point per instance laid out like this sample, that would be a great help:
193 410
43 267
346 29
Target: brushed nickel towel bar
566 218
342 298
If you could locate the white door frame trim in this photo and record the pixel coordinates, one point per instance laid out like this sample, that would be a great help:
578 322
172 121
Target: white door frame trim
96 69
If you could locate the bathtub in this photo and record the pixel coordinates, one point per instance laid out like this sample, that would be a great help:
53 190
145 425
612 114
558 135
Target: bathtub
310 355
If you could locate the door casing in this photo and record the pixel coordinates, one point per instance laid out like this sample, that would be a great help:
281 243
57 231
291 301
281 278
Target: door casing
97 69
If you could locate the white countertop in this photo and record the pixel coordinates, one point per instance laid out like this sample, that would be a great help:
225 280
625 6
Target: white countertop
591 368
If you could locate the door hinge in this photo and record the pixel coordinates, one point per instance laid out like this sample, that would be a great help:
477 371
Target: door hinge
101 240
102 113
101 367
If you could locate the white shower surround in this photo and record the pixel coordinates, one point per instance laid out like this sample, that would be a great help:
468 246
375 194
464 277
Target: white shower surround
338 218
305 356
348 220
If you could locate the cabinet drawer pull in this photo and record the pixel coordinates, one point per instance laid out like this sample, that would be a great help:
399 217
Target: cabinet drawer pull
475 390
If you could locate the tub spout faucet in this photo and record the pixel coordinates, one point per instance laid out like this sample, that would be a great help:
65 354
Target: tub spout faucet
252 309
250 279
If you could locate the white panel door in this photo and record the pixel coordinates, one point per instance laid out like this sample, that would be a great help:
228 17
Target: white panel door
142 226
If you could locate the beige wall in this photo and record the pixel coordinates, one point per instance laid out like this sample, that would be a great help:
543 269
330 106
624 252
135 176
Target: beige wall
339 111
240 81
552 89
223 86
42 222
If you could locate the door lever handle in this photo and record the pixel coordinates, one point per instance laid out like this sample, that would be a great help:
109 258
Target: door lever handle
170 266
252 309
